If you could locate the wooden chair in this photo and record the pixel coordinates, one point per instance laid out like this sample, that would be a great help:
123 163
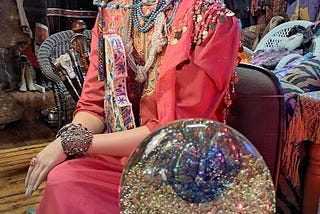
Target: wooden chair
258 112
53 47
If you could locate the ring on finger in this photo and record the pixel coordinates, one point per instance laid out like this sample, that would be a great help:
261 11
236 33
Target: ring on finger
33 161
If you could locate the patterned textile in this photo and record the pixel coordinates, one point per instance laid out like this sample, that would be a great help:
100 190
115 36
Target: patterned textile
253 32
290 61
303 9
270 58
310 106
289 88
306 75
278 7
118 108
304 125
264 10
302 113
290 95
289 198
304 129
250 36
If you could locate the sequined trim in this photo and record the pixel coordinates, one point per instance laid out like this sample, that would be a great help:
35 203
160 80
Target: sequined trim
205 14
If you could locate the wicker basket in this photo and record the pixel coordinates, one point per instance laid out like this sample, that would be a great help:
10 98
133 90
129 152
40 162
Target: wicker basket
278 34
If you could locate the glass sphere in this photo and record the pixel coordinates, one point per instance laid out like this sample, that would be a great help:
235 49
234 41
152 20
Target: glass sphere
196 166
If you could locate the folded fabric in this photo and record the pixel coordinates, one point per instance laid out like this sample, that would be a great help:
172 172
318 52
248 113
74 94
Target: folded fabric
290 97
270 58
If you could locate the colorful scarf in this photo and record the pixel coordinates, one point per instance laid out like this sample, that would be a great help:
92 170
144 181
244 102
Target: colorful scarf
118 109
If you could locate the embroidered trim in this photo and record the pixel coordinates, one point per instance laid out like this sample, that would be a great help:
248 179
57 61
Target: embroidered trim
118 109
101 65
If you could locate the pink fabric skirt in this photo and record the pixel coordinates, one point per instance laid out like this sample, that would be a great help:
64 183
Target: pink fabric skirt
83 185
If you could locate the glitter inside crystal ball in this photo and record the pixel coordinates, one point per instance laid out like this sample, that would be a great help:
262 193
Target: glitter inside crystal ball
196 165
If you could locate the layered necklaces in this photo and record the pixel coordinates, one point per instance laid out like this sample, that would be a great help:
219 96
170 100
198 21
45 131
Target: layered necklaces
155 19
149 18
144 22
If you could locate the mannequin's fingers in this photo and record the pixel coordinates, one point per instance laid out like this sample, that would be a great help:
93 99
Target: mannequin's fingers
40 179
26 181
32 165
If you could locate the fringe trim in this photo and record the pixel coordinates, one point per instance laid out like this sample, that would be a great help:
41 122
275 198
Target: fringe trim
304 125
310 103
290 156
312 127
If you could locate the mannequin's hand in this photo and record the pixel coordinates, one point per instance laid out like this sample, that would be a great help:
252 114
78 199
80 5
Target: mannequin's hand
40 166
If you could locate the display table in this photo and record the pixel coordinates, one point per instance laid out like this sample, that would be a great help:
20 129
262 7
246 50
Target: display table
10 109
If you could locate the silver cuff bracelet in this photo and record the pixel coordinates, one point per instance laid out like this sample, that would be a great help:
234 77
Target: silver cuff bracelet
75 139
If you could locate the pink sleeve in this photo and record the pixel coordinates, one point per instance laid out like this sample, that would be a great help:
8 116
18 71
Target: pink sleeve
217 56
92 96
186 93
148 112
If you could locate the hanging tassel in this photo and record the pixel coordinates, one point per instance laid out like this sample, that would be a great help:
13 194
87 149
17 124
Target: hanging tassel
290 156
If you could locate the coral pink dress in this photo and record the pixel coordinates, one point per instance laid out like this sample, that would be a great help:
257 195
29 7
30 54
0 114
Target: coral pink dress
185 83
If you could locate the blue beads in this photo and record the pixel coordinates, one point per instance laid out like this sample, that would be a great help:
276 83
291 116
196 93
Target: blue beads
150 18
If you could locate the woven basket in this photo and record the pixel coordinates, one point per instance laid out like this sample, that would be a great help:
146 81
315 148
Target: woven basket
278 34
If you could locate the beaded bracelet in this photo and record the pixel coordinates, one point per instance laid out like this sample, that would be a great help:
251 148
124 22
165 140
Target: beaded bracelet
75 139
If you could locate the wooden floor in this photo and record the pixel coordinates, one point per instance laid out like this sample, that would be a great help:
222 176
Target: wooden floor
29 129
13 169
19 142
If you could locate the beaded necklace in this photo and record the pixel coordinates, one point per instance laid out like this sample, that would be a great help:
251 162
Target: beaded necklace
158 40
135 11
149 19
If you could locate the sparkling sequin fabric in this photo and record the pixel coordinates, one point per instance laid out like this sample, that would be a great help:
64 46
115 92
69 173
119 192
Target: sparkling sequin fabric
196 166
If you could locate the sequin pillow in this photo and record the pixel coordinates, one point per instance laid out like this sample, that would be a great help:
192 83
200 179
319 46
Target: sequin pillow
306 75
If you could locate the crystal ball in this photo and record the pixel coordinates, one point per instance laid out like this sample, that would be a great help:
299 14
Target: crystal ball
198 166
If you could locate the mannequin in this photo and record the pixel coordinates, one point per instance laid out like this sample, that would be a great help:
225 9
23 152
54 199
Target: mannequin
181 53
